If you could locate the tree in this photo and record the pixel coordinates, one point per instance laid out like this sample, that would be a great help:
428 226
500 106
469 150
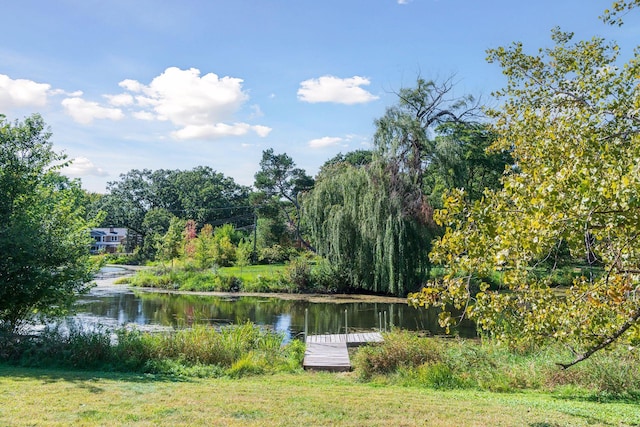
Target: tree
405 134
44 236
357 224
369 215
354 158
618 8
281 182
570 120
155 225
200 194
170 244
204 247
224 245
460 160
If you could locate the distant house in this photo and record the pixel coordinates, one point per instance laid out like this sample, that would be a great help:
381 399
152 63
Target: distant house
109 240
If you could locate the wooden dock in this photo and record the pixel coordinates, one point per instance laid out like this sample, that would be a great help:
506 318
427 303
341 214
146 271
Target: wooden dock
330 352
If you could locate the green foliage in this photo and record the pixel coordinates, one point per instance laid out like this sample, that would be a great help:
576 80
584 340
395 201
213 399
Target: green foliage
360 228
357 158
169 247
204 248
275 254
298 273
224 249
155 225
214 247
410 360
280 183
569 119
460 160
200 351
619 8
231 279
399 349
185 279
44 233
244 250
201 195
370 214
327 277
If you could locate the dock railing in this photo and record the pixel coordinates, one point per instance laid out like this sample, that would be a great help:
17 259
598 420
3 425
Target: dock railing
382 324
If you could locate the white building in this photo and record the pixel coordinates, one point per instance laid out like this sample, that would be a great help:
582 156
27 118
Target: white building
109 240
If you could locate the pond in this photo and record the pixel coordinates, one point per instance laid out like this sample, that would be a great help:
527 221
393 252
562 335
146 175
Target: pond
119 305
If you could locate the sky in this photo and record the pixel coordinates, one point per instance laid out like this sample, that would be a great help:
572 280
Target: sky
159 84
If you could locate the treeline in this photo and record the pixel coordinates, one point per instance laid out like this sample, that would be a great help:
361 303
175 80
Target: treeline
367 212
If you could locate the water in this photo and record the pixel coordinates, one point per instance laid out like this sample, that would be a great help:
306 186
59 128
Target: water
118 305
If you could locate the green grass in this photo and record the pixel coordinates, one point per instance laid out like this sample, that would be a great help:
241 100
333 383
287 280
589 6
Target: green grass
244 375
61 398
255 278
234 350
405 358
251 272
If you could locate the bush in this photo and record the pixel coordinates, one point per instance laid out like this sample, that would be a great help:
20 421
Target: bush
325 277
399 349
298 274
408 359
275 254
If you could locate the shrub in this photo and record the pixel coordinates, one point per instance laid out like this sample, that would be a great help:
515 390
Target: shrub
438 376
399 349
298 274
275 254
327 277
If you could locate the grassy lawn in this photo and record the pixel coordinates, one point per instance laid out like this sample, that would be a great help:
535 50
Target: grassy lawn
57 398
251 272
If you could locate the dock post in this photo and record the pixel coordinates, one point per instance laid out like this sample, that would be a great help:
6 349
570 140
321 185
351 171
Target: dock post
346 328
306 324
380 320
385 321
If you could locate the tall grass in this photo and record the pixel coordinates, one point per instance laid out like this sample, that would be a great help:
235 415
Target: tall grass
408 359
202 351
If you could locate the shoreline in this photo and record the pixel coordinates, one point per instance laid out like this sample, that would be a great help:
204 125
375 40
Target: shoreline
108 283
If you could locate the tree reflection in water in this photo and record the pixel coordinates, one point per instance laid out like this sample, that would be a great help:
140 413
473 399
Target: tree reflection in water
283 315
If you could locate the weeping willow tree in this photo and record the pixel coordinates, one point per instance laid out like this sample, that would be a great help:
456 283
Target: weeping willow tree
359 226
375 221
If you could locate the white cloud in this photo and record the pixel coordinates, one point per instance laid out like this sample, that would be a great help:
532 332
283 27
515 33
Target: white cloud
219 130
86 111
143 115
64 92
121 100
199 105
403 1
185 98
131 85
337 90
327 141
22 93
81 166
262 131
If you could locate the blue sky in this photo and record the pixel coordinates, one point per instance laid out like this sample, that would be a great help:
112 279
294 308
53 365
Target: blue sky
155 84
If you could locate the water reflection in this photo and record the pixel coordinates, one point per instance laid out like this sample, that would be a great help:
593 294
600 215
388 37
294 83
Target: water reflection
155 310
